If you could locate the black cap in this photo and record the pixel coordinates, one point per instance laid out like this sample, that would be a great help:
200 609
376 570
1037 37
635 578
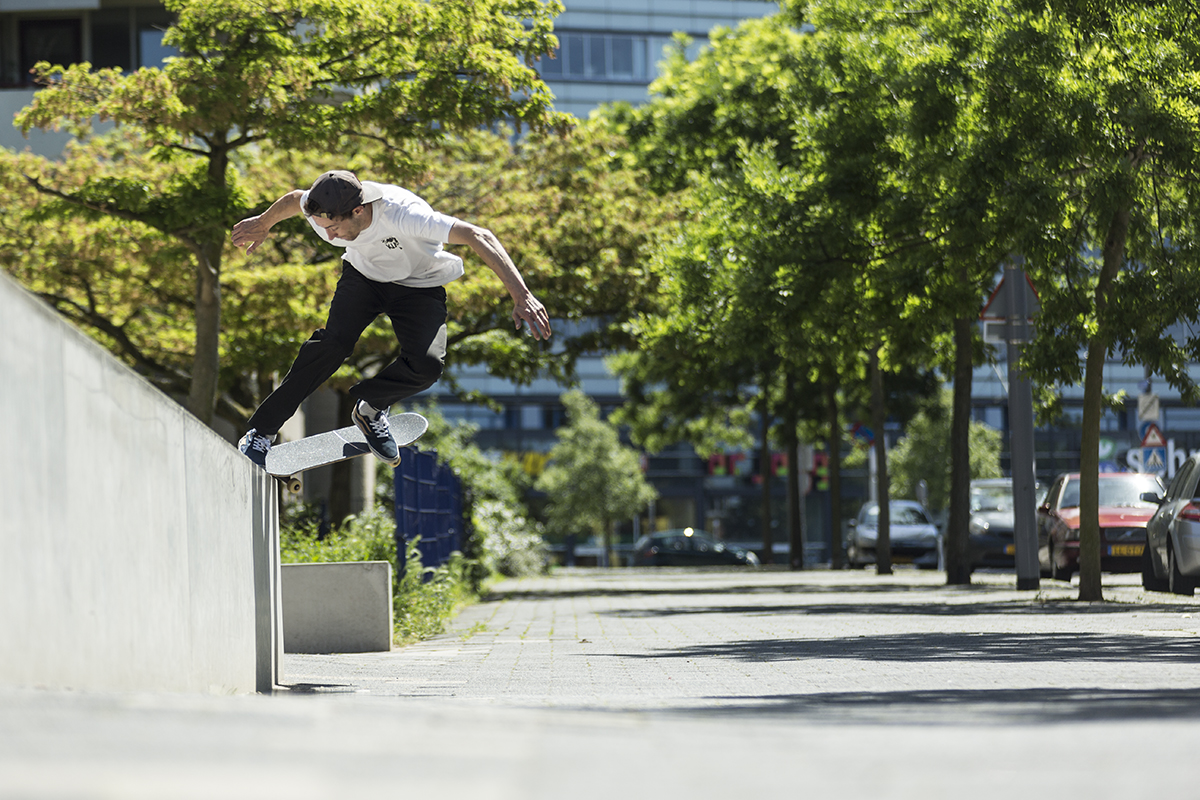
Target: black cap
337 193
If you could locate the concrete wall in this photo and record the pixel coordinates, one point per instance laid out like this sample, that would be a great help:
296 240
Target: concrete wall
342 607
138 549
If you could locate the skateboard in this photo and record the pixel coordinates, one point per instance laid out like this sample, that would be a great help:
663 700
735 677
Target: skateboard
286 461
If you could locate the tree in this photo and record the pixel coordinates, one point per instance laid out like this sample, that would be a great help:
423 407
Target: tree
924 453
790 271
591 480
1098 104
308 76
575 220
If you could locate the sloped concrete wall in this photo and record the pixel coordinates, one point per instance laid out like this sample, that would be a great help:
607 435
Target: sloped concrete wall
138 549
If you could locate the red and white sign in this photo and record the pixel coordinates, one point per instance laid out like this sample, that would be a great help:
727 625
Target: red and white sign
1153 437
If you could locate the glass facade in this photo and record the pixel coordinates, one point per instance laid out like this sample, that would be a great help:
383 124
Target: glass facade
598 57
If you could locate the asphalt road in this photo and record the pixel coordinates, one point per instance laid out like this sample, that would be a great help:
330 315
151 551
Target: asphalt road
644 683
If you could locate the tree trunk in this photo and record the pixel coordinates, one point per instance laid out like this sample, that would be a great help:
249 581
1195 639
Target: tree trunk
792 442
1093 407
208 247
883 540
835 477
206 364
958 565
764 471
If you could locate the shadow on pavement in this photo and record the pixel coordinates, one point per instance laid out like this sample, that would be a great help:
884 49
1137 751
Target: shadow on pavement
919 647
971 706
936 609
631 589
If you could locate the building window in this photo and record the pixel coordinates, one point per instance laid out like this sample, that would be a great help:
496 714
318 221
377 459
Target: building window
553 417
59 41
151 52
110 39
125 37
597 57
512 417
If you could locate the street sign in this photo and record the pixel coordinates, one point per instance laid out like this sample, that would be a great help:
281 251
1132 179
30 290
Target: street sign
1154 459
1153 439
1148 407
1004 301
860 431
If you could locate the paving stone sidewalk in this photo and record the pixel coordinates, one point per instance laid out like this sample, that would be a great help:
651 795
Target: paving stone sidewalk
675 684
823 645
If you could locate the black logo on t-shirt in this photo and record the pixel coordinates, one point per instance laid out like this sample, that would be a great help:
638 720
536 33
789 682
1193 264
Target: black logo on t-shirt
391 242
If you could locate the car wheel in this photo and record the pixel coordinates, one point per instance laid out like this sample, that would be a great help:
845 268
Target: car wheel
1150 581
1176 581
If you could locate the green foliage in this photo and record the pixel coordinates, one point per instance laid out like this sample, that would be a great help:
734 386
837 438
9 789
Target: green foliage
924 453
365 537
805 208
304 75
576 224
503 539
512 544
424 599
592 479
314 76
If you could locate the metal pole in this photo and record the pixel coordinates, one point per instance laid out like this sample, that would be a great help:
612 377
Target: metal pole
1020 426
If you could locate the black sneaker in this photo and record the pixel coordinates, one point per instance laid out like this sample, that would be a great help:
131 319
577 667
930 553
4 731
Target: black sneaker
378 435
255 447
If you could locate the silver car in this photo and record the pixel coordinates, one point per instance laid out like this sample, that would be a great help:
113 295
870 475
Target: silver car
1171 560
914 538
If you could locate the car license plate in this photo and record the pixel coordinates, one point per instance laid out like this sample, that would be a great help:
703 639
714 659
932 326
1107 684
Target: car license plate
1010 549
1125 550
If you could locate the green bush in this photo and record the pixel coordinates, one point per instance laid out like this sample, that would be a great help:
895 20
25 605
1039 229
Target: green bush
424 598
502 537
512 544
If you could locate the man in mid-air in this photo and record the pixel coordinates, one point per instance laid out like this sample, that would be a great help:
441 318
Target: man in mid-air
394 264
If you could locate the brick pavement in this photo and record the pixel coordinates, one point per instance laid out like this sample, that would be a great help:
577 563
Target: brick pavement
822 645
670 684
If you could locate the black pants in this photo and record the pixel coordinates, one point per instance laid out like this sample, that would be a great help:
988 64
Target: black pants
419 320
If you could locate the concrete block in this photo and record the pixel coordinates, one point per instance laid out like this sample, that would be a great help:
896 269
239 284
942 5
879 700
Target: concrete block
342 607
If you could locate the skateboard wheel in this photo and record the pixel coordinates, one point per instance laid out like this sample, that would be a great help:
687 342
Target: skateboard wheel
293 485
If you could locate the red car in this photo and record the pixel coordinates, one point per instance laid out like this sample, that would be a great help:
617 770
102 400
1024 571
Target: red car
1123 518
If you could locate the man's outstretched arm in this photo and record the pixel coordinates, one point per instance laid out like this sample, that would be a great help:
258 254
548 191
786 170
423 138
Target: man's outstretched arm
526 307
252 231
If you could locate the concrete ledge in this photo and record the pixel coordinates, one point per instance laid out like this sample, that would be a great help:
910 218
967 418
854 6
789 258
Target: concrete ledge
342 607
139 550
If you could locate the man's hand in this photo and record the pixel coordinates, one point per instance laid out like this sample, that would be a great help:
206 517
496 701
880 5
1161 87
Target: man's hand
533 313
250 233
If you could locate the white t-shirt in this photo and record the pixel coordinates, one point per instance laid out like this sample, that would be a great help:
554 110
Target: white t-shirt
403 243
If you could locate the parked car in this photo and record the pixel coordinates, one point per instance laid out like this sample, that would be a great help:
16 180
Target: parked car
688 547
991 526
914 538
1171 560
1123 517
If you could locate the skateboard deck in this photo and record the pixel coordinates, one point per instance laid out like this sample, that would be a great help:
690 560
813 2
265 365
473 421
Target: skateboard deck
287 460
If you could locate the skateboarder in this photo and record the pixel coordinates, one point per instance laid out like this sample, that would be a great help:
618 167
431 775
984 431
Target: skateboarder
394 264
